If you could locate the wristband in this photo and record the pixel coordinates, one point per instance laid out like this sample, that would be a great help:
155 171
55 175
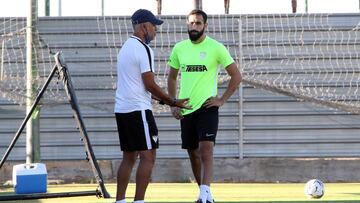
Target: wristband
173 102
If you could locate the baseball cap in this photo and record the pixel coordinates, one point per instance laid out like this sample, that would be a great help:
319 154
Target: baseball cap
143 16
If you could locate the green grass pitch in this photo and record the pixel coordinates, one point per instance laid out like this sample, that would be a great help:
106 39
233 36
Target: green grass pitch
223 193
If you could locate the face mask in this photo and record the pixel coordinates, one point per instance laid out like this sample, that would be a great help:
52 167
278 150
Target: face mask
147 38
195 35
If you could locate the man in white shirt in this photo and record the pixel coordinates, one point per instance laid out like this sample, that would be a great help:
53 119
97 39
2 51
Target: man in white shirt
136 87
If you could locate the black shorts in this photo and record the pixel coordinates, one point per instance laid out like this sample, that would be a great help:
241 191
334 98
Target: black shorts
200 125
137 130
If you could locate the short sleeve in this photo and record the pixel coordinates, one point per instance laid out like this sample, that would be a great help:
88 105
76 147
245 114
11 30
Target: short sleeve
225 58
145 59
174 59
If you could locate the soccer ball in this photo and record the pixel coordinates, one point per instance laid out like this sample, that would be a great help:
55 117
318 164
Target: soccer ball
314 188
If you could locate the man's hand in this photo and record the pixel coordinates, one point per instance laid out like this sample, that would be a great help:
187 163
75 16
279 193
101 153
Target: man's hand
182 103
176 112
178 105
214 101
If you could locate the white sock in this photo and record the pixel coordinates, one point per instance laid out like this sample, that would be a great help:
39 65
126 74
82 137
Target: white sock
139 201
121 201
209 197
204 192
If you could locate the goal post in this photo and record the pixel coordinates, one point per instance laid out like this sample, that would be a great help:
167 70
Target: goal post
32 127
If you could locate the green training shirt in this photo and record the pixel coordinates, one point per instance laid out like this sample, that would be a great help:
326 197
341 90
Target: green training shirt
199 65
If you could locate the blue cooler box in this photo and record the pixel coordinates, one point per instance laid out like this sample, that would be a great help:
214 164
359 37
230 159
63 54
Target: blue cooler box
30 178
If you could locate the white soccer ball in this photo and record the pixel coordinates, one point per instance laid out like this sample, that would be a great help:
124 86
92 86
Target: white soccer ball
314 188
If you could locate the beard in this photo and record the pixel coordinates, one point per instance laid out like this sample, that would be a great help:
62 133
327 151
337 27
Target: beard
195 35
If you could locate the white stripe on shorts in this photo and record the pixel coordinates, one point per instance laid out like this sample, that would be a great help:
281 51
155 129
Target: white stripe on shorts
146 130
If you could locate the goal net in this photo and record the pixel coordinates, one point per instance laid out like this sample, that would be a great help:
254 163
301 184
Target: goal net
13 64
311 57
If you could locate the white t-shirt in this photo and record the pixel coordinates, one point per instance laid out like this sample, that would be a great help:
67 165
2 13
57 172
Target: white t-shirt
134 58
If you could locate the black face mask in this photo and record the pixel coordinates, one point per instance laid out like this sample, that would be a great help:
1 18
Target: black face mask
147 38
195 35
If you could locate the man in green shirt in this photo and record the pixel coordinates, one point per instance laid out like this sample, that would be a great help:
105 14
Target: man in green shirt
199 59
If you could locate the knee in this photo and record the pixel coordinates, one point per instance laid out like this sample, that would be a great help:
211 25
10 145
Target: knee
129 158
194 154
206 150
148 158
147 161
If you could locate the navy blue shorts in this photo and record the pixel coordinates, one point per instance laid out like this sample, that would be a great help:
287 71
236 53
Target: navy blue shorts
200 125
137 130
